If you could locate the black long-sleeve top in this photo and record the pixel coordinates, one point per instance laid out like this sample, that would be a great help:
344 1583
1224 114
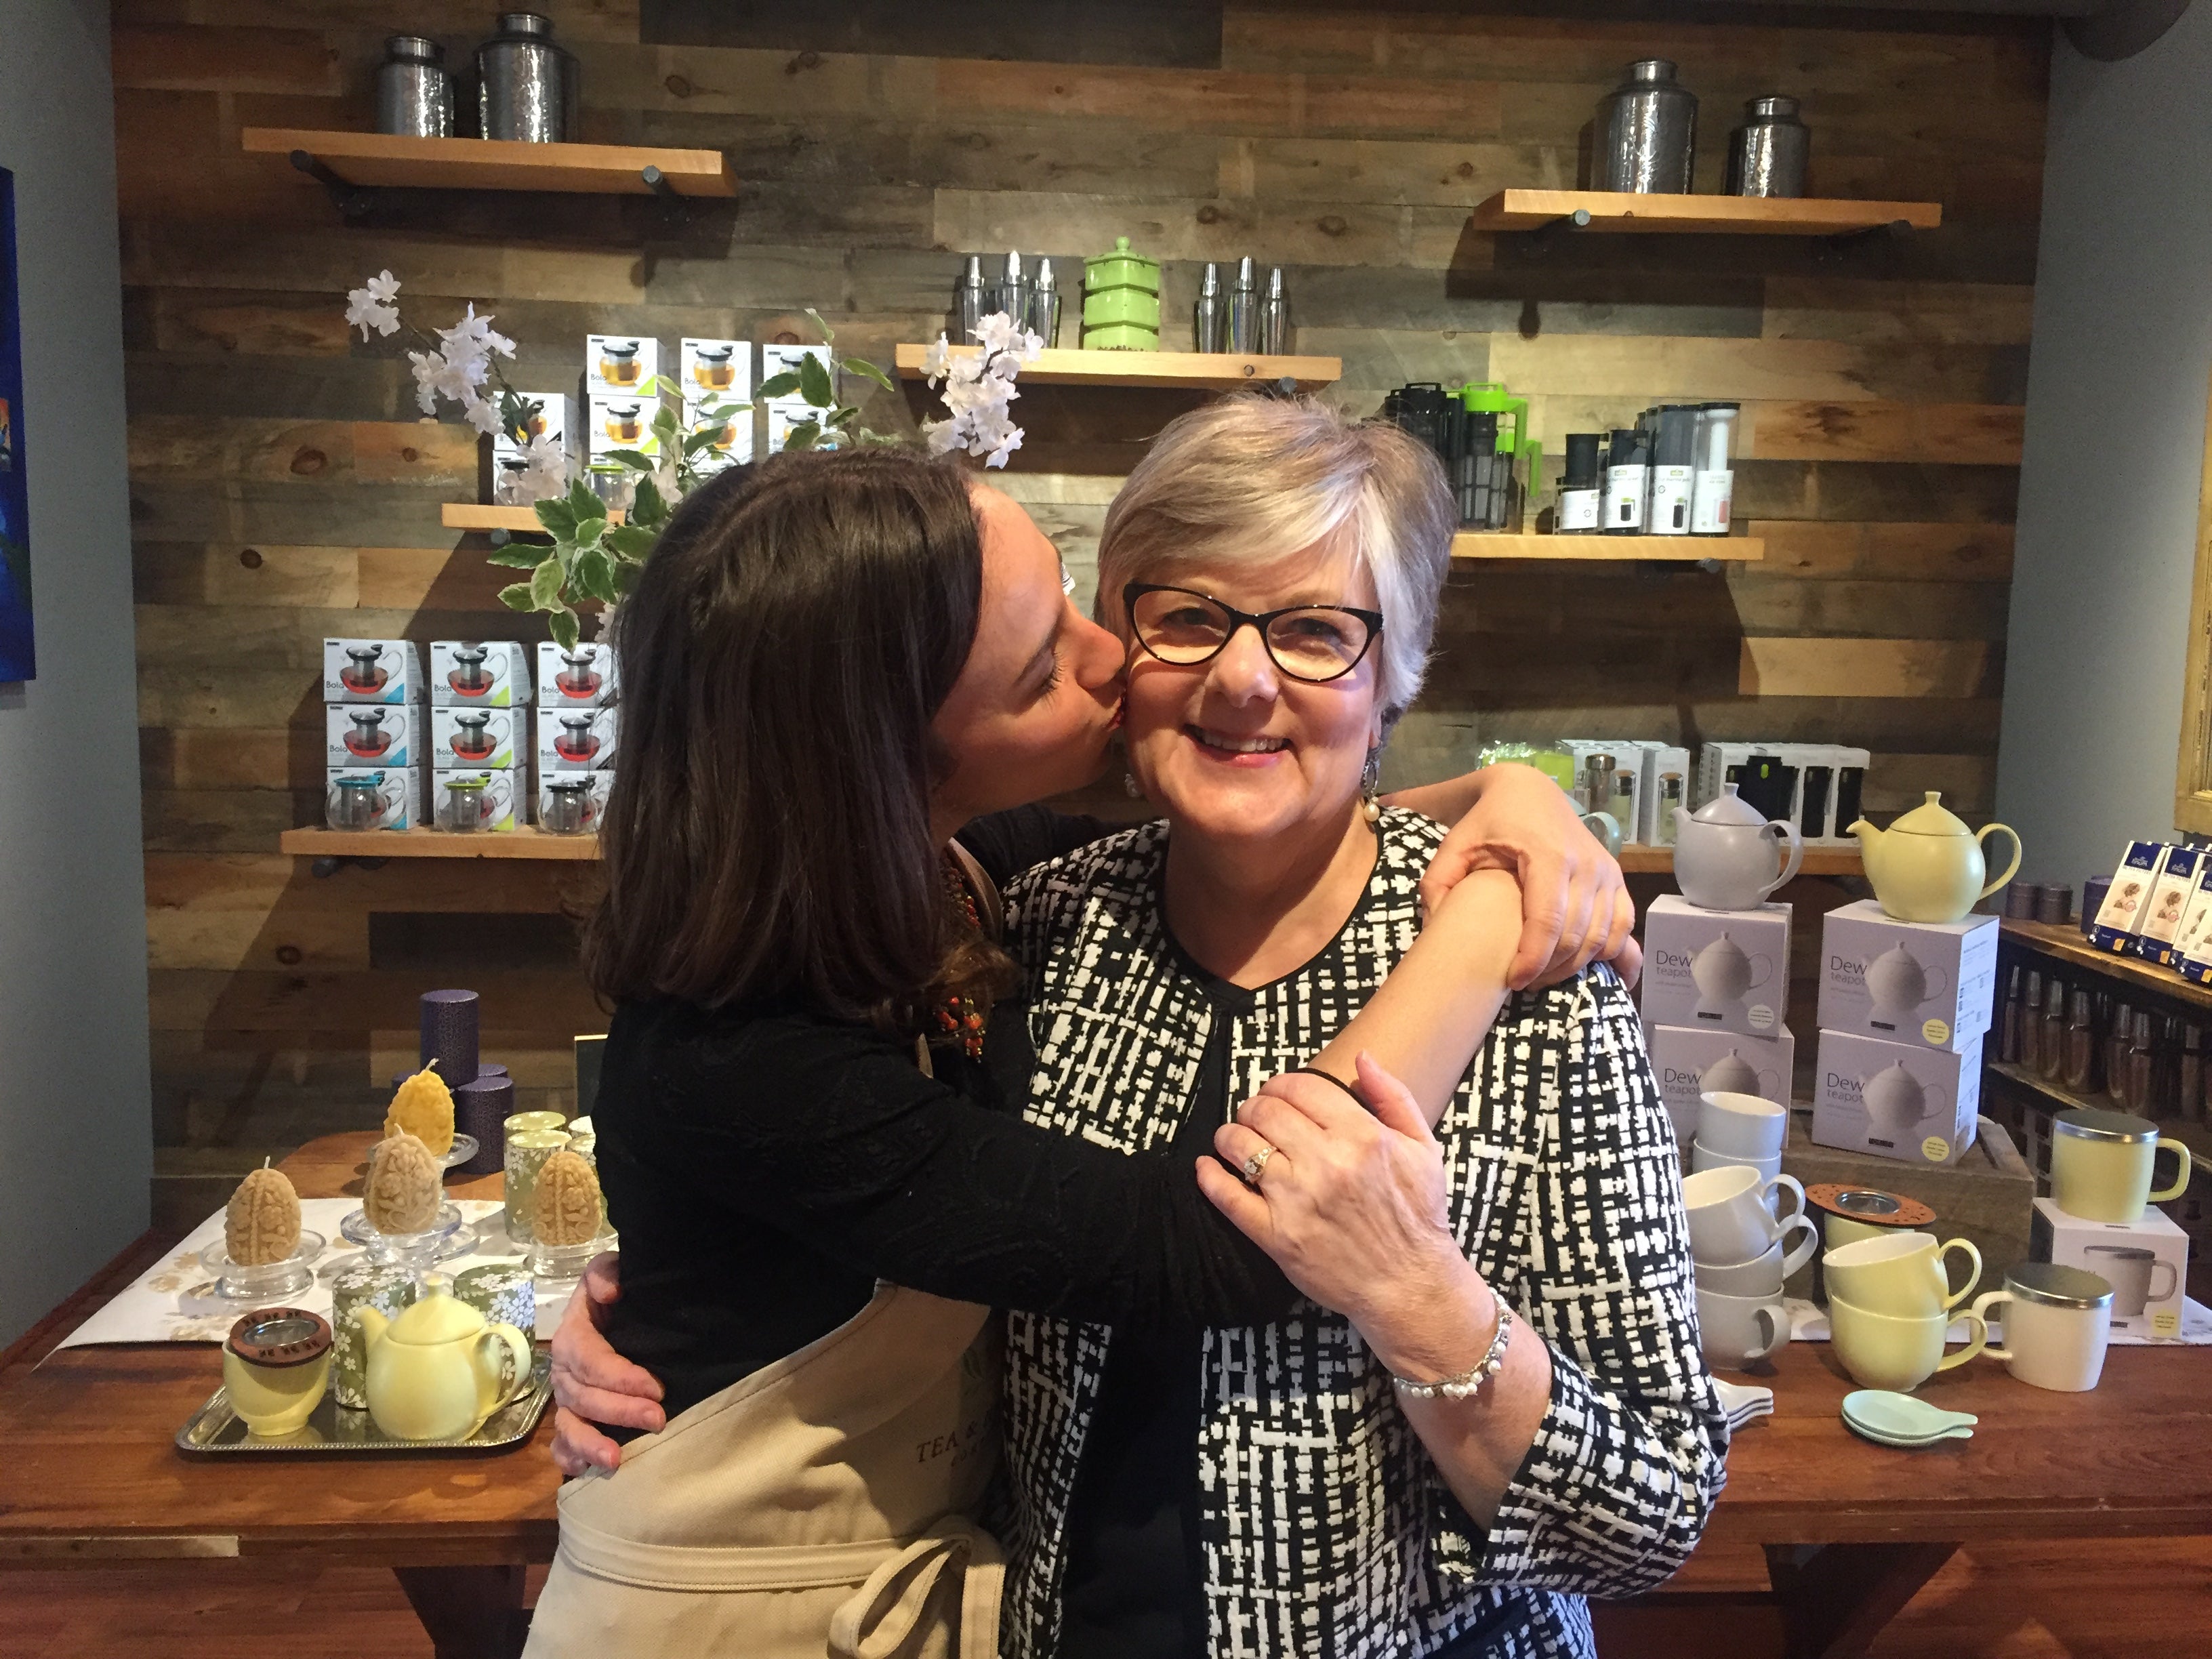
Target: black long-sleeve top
766 1164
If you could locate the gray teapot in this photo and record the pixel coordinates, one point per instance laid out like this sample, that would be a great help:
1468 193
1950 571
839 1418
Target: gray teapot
1724 853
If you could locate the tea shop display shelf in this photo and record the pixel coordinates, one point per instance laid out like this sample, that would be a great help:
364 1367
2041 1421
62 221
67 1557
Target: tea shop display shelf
2045 1099
1819 861
523 842
351 163
1211 371
2065 945
515 520
1471 546
1597 211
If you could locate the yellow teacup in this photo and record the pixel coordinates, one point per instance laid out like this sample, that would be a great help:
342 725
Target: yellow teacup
2101 1165
1883 1350
276 1364
1901 1273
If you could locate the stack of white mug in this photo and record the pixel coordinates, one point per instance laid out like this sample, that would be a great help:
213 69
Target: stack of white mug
1743 1240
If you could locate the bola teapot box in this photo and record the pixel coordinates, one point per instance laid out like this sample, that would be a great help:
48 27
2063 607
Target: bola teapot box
372 670
615 364
575 740
372 734
2145 1261
1687 1063
503 803
579 678
554 812
1716 970
497 739
1930 984
554 418
714 370
479 674
398 792
623 422
732 426
1916 1104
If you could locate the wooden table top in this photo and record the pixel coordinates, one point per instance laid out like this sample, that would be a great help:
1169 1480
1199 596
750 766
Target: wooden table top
87 1468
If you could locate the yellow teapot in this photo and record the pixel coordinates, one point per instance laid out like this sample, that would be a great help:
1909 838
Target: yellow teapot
439 1368
1928 865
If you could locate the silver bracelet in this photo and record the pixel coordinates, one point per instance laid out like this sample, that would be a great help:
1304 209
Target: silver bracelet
1463 1385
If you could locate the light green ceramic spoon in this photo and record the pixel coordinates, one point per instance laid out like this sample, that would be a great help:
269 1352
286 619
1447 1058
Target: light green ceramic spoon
1898 1419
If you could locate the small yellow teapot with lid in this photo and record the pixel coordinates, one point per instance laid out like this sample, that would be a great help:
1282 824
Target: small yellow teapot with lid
1928 865
439 1368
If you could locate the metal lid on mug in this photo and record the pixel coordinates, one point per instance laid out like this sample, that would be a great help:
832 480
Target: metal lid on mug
280 1337
2092 1123
2056 1286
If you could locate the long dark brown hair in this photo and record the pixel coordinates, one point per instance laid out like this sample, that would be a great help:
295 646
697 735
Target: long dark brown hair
795 632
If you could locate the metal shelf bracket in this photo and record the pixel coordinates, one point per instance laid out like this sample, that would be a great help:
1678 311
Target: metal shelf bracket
354 201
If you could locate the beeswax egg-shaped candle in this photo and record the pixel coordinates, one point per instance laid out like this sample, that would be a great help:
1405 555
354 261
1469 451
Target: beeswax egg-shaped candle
402 1194
423 1108
566 1210
261 1225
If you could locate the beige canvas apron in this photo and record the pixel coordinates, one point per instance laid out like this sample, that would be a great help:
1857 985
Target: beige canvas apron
817 1508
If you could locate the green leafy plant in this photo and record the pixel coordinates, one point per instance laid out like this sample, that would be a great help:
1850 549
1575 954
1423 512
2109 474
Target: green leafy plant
594 559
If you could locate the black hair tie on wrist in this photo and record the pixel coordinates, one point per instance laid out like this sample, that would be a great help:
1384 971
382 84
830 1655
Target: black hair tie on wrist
1315 1071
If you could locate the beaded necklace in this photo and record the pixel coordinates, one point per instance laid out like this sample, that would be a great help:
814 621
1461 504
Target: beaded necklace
959 1017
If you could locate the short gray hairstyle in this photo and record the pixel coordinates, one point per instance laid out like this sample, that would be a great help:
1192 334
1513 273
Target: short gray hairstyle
1248 479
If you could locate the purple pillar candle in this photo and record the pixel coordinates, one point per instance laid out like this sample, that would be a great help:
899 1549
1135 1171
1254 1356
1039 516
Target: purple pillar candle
484 1068
482 1109
449 1035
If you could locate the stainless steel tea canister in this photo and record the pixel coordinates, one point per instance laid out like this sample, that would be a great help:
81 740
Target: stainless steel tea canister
1646 132
414 94
1767 153
525 85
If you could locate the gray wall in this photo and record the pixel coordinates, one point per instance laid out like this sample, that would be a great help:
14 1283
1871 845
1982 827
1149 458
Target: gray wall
2123 345
75 1122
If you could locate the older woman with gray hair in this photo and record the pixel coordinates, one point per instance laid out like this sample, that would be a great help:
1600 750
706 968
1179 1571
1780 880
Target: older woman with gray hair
1494 1405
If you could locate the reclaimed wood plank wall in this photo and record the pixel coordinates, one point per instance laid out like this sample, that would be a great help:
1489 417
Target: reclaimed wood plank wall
283 491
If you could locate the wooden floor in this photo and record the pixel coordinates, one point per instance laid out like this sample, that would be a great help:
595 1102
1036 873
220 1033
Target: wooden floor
2142 1599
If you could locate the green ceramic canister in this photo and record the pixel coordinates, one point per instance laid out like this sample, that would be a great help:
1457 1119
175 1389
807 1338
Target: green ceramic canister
502 1291
1121 300
384 1286
526 1154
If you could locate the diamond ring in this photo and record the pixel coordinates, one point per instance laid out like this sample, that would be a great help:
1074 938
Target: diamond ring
1256 1163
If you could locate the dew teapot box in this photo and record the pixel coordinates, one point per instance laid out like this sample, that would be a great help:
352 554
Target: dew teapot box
2146 1262
1686 1063
1914 1103
1930 984
1716 970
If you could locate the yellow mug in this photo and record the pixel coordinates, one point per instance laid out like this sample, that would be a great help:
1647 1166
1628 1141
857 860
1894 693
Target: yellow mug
1882 1211
1902 1273
276 1364
2102 1163
1883 1350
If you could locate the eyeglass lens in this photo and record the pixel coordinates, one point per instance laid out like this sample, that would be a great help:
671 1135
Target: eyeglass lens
1318 644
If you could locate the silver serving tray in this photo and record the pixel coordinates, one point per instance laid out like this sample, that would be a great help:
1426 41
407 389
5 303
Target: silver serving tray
214 1428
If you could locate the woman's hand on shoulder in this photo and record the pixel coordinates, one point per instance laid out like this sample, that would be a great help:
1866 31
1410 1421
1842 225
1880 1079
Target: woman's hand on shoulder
593 1383
1575 906
1350 1203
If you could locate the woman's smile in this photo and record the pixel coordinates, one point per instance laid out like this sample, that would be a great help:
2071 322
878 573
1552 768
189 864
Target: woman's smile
1229 750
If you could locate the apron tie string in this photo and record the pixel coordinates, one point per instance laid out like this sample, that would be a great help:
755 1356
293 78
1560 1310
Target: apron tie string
883 1615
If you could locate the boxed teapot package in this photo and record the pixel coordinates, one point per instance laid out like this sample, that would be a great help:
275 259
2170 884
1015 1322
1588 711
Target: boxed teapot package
733 428
494 739
1688 1063
574 740
2146 1262
1917 1104
373 797
372 734
501 794
2163 908
581 677
715 371
615 364
1716 970
1929 983
2120 917
570 803
372 670
550 415
479 674
622 423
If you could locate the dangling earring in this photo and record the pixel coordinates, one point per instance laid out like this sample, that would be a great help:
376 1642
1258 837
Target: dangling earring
1371 778
1136 791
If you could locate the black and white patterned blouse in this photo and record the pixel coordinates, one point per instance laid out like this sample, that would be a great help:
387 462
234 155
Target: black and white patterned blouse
1325 1529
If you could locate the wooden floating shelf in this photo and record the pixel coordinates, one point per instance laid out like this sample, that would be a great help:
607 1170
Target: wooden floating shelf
2059 1098
2066 943
1727 215
374 160
523 842
1819 861
467 515
1204 370
1483 545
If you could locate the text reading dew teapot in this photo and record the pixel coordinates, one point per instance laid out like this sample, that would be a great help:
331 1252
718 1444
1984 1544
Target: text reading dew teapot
1724 853
439 1368
1928 865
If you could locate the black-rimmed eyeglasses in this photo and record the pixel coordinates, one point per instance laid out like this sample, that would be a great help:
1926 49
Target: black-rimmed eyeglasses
1316 644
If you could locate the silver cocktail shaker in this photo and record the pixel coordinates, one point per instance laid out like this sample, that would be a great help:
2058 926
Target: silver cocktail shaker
1275 317
1012 294
1646 132
414 94
968 301
1206 319
525 85
1767 153
1243 331
1044 305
